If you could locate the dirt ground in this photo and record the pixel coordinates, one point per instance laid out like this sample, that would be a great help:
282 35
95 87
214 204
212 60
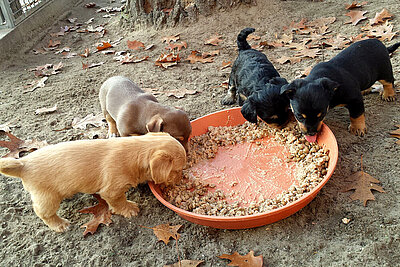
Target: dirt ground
314 236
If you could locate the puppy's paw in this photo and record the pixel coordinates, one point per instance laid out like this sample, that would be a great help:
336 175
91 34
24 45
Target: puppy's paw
358 130
128 210
60 226
228 100
387 97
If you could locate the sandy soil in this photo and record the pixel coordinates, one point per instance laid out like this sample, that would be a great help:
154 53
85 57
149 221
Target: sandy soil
315 236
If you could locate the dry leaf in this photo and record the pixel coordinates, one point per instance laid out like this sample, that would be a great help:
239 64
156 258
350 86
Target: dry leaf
185 263
16 145
354 4
134 45
285 39
285 59
355 17
88 66
41 111
102 214
311 53
214 40
164 232
167 60
172 38
91 119
132 59
210 54
248 260
226 64
40 84
396 133
5 127
180 93
266 44
150 46
195 56
363 183
90 5
381 17
382 32
339 42
105 45
321 22
54 43
176 46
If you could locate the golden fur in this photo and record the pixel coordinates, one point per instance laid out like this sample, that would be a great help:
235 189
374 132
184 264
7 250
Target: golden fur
108 167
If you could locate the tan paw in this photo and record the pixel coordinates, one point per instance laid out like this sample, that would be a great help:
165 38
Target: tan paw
61 226
358 131
128 210
388 98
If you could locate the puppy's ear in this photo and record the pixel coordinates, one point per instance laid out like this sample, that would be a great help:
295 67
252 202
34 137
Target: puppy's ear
160 166
290 89
278 81
248 110
329 84
155 124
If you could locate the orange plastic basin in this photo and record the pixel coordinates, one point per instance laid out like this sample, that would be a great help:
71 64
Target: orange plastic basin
249 172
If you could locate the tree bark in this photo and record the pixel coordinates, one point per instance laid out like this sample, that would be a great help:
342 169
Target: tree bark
168 13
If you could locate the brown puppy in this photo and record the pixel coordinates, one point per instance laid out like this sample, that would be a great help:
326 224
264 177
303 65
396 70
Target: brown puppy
131 111
108 167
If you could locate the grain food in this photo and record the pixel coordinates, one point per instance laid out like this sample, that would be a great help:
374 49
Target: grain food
194 194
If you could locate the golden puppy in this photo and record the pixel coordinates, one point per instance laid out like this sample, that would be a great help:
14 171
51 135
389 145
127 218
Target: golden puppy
131 111
108 167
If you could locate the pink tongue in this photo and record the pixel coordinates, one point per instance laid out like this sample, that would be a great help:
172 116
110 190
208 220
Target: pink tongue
311 138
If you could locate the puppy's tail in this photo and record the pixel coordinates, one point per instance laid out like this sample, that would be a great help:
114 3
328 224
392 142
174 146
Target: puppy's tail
393 48
11 167
241 39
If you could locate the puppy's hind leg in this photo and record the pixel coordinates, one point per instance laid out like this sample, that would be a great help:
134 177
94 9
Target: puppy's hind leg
112 126
45 206
230 97
116 199
388 93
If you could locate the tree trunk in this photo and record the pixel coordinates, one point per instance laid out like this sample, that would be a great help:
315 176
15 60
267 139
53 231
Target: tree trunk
168 13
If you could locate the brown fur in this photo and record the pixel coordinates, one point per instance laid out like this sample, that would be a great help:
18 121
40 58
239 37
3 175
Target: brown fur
108 167
129 111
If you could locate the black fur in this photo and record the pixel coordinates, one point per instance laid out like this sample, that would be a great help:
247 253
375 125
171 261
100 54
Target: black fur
340 81
256 84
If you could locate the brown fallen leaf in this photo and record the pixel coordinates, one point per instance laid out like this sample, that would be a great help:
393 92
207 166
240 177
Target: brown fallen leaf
355 4
41 111
176 46
105 45
396 133
311 53
180 93
285 38
97 121
40 84
214 40
226 64
210 54
54 43
165 231
321 22
266 44
382 32
362 185
86 53
171 38
196 56
92 65
381 17
167 60
355 17
248 260
134 45
17 146
185 263
102 214
132 59
286 59
338 42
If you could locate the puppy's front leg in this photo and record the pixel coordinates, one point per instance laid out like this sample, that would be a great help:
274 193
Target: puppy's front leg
230 97
116 199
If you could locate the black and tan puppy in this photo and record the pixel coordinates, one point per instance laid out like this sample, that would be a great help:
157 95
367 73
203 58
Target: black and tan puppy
256 84
131 111
340 81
